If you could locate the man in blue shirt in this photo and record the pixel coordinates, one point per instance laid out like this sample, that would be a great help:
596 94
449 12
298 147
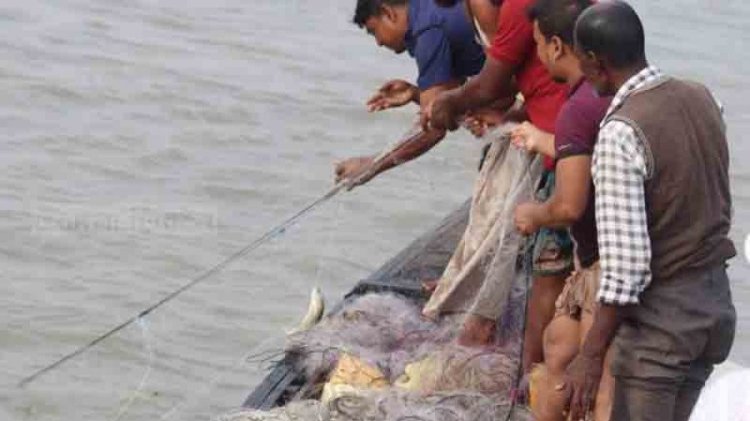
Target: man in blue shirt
441 40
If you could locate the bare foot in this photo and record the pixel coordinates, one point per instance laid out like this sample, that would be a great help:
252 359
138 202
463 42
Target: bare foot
430 286
477 332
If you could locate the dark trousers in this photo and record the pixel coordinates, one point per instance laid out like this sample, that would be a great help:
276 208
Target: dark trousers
667 346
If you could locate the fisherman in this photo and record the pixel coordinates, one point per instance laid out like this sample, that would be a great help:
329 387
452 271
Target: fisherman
512 57
572 203
441 40
663 212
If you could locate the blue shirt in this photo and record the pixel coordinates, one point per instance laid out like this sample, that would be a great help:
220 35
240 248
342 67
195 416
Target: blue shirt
442 41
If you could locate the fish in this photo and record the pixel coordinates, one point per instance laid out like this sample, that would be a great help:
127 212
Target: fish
315 310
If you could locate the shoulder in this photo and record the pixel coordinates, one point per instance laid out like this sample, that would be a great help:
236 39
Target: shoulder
703 91
425 15
514 40
486 14
586 100
619 140
619 152
580 117
514 12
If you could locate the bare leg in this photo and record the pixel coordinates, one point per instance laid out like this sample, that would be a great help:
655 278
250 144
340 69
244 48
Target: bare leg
544 292
560 347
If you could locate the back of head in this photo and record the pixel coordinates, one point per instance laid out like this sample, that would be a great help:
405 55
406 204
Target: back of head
557 18
369 8
614 32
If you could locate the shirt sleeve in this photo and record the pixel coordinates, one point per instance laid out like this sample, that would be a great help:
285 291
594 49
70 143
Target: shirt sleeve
619 171
433 56
514 39
574 133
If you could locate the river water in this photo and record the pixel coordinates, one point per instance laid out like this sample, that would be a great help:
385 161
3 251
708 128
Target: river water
145 140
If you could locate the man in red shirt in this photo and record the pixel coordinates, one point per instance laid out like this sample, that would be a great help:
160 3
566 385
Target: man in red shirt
513 56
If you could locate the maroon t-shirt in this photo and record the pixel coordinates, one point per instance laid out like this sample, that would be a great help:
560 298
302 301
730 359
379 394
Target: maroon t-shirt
576 130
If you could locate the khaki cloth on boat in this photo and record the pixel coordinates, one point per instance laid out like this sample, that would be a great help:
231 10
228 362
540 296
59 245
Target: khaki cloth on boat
479 276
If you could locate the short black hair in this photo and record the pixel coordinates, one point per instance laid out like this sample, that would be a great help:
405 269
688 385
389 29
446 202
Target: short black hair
613 31
557 18
369 8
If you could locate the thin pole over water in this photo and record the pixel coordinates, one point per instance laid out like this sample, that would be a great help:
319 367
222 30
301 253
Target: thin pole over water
269 235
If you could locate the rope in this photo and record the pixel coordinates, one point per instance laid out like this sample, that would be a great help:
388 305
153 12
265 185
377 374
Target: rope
528 262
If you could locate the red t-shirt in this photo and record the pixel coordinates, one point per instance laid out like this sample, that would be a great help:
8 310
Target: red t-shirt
514 44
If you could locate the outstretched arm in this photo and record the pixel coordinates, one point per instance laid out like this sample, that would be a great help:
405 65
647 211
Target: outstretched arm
354 167
394 93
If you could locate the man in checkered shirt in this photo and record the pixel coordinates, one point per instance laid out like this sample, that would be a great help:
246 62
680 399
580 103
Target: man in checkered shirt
663 213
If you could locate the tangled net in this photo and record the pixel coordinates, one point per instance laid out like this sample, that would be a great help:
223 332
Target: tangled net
428 376
377 358
387 332
389 406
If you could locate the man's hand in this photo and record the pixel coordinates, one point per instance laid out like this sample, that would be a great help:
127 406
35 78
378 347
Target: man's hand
351 168
581 384
478 122
525 218
441 114
394 93
528 137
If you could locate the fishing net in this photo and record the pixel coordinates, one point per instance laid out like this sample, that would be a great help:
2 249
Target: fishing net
378 358
389 406
387 332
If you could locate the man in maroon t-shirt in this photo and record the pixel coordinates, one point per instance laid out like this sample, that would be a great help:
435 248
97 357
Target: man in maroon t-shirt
571 205
512 55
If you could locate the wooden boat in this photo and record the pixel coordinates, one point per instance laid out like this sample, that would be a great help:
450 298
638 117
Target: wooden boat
425 258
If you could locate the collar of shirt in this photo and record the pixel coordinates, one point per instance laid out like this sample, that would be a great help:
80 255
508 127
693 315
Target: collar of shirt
421 18
576 86
645 76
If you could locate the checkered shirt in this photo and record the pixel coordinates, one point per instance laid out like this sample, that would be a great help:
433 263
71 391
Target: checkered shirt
619 170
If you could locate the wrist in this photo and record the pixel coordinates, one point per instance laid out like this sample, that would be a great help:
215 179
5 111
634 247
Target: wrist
594 348
532 145
414 93
536 214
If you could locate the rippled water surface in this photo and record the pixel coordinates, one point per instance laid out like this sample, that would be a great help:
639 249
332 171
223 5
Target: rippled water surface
144 141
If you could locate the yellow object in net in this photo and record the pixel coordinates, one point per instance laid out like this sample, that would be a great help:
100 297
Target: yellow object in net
350 376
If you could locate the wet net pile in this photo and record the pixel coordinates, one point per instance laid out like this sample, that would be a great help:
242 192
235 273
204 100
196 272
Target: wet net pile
387 333
389 406
376 358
